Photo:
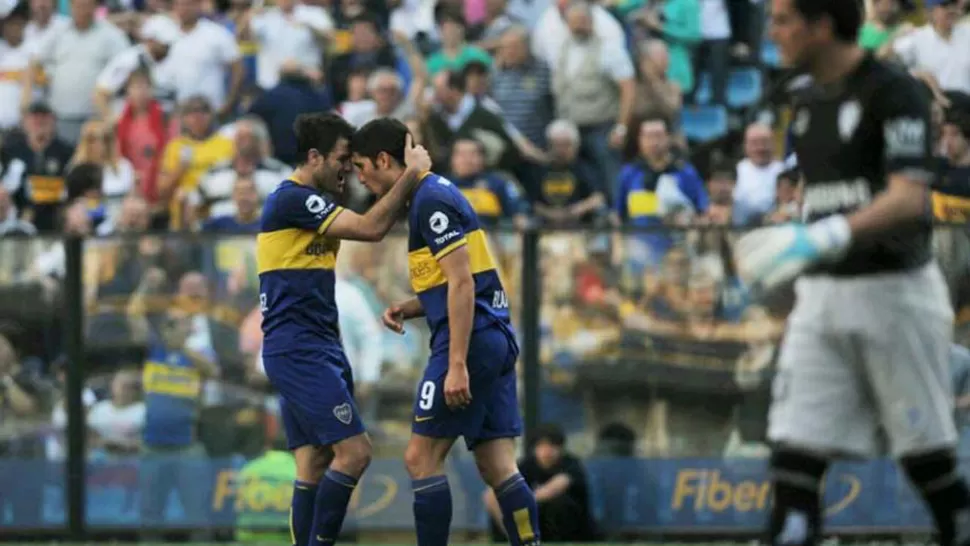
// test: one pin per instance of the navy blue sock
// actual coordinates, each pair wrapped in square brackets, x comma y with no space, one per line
[301,512]
[520,514]
[432,510]
[333,496]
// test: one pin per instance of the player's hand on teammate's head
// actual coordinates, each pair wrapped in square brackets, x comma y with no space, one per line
[458,393]
[393,319]
[416,158]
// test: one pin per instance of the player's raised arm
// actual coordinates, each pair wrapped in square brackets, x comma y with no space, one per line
[374,225]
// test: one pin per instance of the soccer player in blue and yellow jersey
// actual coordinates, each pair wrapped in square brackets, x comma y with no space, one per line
[296,251]
[468,387]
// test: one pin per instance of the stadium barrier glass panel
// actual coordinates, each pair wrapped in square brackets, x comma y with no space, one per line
[32,372]
[198,446]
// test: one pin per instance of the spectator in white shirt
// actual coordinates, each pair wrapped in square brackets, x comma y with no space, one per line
[290,31]
[15,78]
[157,36]
[44,22]
[204,58]
[117,423]
[72,59]
[754,192]
[551,32]
[940,49]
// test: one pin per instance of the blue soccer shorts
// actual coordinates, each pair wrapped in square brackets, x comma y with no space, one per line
[494,409]
[316,391]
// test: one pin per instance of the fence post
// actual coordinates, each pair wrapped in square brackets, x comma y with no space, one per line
[74,405]
[530,300]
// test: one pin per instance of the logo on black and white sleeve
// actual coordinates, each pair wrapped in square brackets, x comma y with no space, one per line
[905,138]
[438,222]
[316,206]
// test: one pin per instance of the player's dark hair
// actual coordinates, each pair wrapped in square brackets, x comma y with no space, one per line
[846,16]
[386,135]
[456,81]
[551,434]
[320,132]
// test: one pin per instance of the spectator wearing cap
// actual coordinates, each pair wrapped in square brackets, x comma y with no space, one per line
[295,94]
[204,59]
[34,165]
[72,60]
[14,74]
[522,86]
[289,31]
[187,158]
[369,51]
[44,22]
[157,34]
[551,32]
[885,23]
[939,49]
[561,487]
[593,84]
[566,194]
[455,52]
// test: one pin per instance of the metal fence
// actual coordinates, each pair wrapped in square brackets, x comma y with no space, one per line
[641,345]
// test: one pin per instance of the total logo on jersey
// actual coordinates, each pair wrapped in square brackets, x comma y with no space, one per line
[439,223]
[317,206]
[832,197]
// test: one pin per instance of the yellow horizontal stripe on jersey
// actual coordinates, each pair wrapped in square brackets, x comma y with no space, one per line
[295,249]
[951,208]
[160,378]
[333,216]
[425,272]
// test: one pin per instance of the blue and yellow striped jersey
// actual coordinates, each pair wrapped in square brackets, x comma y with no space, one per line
[441,220]
[295,261]
[172,387]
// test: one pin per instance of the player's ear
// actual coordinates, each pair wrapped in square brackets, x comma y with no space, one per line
[383,161]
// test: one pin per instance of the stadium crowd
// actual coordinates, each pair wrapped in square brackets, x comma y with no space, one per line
[639,132]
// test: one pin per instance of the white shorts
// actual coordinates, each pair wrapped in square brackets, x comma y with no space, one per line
[864,353]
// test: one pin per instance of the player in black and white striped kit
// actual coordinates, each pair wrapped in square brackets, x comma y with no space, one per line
[868,342]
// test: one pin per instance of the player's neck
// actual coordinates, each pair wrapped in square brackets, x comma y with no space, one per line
[837,63]
[301,176]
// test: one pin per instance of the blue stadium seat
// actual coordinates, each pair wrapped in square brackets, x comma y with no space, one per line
[704,123]
[769,54]
[744,88]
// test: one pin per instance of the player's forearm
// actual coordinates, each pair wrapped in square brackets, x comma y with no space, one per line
[383,214]
[903,202]
[412,309]
[461,313]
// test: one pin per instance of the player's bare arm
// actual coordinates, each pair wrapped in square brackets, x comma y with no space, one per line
[906,199]
[395,315]
[375,223]
[456,266]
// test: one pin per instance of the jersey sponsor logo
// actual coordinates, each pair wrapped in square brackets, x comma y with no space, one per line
[344,413]
[438,222]
[832,197]
[849,115]
[905,138]
[317,206]
[445,238]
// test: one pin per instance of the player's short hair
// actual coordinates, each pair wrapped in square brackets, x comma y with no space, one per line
[455,80]
[319,131]
[386,135]
[846,15]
